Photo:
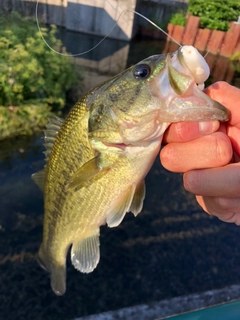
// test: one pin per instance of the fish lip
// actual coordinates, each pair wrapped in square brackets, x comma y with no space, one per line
[121,146]
[221,107]
[191,104]
[195,107]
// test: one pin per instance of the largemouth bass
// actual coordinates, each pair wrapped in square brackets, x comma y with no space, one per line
[98,157]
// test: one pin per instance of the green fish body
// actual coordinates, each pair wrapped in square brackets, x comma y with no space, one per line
[98,157]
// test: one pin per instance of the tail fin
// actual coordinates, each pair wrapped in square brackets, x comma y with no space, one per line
[58,279]
[57,272]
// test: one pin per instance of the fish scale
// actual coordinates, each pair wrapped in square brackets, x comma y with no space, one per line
[102,152]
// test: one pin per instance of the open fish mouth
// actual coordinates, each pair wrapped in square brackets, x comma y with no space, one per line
[197,107]
[121,146]
[180,86]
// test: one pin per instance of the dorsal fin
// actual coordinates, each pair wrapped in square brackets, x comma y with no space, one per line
[38,178]
[52,129]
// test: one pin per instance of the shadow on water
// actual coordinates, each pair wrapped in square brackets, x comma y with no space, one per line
[172,248]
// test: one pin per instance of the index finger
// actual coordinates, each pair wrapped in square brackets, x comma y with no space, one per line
[227,95]
[214,182]
[187,131]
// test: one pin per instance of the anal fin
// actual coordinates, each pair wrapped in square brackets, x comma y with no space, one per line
[85,254]
[120,208]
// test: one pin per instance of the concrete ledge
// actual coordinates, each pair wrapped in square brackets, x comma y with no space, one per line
[160,310]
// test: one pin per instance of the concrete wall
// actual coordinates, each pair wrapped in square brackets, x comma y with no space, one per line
[159,11]
[98,71]
[98,16]
[90,16]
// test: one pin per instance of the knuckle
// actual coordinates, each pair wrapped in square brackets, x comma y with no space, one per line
[222,149]
[182,129]
[224,203]
[192,181]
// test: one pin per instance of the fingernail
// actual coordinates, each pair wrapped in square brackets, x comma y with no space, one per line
[206,127]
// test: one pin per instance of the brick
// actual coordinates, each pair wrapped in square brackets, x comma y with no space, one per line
[210,59]
[230,40]
[230,74]
[191,30]
[202,38]
[177,34]
[220,68]
[170,28]
[237,48]
[173,47]
[215,41]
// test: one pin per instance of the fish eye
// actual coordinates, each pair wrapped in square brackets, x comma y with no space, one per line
[142,71]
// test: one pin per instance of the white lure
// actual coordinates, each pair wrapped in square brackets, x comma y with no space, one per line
[196,64]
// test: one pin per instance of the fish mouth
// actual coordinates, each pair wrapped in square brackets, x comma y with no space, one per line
[121,146]
[195,107]
[180,94]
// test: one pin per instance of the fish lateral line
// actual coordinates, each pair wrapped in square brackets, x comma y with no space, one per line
[94,47]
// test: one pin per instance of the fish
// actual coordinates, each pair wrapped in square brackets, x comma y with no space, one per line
[98,157]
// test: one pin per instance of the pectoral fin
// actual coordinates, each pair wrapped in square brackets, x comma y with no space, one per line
[120,208]
[137,202]
[85,254]
[88,173]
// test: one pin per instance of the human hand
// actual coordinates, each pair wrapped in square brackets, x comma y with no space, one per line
[209,157]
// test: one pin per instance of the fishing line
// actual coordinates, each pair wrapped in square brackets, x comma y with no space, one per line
[68,54]
[154,24]
[206,54]
[84,52]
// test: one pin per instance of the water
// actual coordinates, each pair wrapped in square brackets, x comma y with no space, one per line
[222,312]
[171,249]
